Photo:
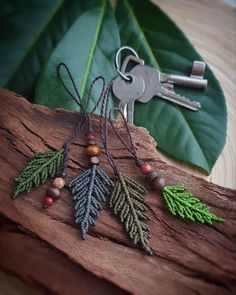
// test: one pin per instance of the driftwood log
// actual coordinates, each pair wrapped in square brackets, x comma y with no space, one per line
[44,249]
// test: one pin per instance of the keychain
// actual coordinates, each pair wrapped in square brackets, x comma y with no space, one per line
[53,164]
[137,81]
[93,186]
[127,198]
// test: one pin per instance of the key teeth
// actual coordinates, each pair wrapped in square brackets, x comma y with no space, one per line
[178,99]
[198,104]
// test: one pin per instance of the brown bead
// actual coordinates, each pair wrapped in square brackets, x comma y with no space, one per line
[92,150]
[158,183]
[58,182]
[152,175]
[53,192]
[94,160]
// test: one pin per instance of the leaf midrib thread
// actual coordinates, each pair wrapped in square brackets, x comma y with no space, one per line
[91,184]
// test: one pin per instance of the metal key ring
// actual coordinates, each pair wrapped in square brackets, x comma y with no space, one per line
[125,77]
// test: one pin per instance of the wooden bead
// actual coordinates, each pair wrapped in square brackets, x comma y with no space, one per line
[92,150]
[58,182]
[158,183]
[145,168]
[90,137]
[48,201]
[94,160]
[152,175]
[53,193]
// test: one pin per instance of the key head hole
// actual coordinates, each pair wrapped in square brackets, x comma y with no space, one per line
[129,79]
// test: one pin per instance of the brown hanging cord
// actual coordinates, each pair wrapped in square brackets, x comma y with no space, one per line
[104,130]
[131,148]
[85,117]
[106,116]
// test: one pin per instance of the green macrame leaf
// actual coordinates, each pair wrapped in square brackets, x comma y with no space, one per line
[41,167]
[127,201]
[185,205]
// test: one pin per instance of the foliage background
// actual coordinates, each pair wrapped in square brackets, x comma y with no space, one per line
[37,35]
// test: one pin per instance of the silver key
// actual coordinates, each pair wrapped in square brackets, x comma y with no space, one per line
[154,87]
[127,93]
[195,80]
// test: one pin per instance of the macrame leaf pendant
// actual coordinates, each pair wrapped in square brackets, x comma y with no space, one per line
[88,190]
[127,201]
[183,204]
[41,167]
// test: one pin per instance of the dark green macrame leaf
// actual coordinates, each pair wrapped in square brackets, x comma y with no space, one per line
[127,201]
[186,206]
[39,169]
[88,190]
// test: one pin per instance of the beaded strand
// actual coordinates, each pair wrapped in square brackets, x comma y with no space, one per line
[146,169]
[53,192]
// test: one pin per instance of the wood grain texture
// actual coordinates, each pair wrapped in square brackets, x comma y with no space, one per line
[210,26]
[44,248]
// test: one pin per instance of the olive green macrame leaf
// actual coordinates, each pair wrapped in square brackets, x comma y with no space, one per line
[183,204]
[41,167]
[127,201]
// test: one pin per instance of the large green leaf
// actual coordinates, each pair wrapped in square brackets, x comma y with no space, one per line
[194,137]
[29,30]
[88,49]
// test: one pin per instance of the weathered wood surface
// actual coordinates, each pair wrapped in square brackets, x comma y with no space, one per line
[44,247]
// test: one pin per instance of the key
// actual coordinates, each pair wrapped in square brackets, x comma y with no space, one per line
[127,93]
[129,62]
[195,80]
[154,87]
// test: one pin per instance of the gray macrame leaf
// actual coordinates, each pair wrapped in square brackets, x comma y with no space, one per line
[88,190]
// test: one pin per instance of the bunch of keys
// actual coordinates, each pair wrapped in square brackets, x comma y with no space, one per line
[142,83]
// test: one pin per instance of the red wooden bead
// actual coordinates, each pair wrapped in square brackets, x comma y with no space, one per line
[90,137]
[145,168]
[48,201]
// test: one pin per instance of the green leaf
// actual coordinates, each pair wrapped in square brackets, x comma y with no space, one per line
[29,31]
[194,137]
[127,201]
[38,170]
[88,50]
[186,206]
